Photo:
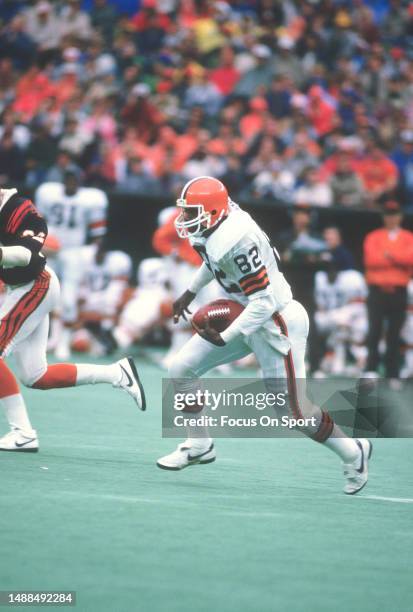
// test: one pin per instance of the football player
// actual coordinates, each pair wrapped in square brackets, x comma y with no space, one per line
[238,254]
[75,216]
[341,315]
[104,284]
[148,306]
[407,335]
[32,293]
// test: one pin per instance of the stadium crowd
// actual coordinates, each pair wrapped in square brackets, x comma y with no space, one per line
[305,101]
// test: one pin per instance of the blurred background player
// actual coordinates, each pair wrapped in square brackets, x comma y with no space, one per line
[102,293]
[407,335]
[341,318]
[75,216]
[181,261]
[149,307]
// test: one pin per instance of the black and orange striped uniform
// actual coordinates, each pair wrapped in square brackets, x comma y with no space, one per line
[21,225]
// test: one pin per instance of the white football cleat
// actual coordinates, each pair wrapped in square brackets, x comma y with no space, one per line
[182,457]
[20,441]
[356,473]
[130,382]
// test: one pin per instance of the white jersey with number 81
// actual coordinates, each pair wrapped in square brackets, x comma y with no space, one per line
[72,219]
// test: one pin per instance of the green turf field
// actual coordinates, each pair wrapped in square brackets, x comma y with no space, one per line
[265,528]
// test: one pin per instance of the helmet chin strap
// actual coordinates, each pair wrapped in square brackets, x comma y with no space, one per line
[210,230]
[5,195]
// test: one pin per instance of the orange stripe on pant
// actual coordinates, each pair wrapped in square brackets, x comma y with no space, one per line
[326,426]
[13,321]
[289,368]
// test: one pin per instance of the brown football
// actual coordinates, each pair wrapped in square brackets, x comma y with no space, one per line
[221,313]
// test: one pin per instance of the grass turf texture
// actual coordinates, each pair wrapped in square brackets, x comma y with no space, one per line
[264,528]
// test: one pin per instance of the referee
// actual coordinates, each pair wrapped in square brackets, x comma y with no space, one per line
[388,262]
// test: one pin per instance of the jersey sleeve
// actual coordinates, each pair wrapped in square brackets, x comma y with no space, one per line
[26,227]
[97,214]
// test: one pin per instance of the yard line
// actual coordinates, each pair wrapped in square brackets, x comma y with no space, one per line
[395,500]
[111,497]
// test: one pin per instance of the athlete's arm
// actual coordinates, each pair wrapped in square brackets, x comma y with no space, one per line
[255,315]
[28,238]
[202,277]
[180,307]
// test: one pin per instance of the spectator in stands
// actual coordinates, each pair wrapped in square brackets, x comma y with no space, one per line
[56,173]
[16,44]
[234,177]
[275,182]
[286,62]
[74,22]
[12,169]
[403,158]
[341,256]
[40,155]
[312,190]
[378,173]
[279,97]
[253,122]
[202,163]
[20,133]
[346,187]
[320,112]
[150,26]
[302,153]
[225,76]
[31,90]
[140,114]
[103,17]
[321,74]
[138,178]
[73,139]
[258,76]
[43,27]
[388,262]
[203,93]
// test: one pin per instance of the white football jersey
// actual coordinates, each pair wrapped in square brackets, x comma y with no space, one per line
[348,286]
[152,272]
[243,261]
[72,219]
[97,276]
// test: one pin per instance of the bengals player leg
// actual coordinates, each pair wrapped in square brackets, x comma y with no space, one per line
[24,325]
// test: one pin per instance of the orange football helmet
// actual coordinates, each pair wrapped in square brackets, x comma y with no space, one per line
[203,203]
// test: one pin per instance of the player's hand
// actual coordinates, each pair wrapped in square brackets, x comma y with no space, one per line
[180,306]
[208,333]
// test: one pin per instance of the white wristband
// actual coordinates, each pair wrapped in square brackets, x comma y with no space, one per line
[15,256]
